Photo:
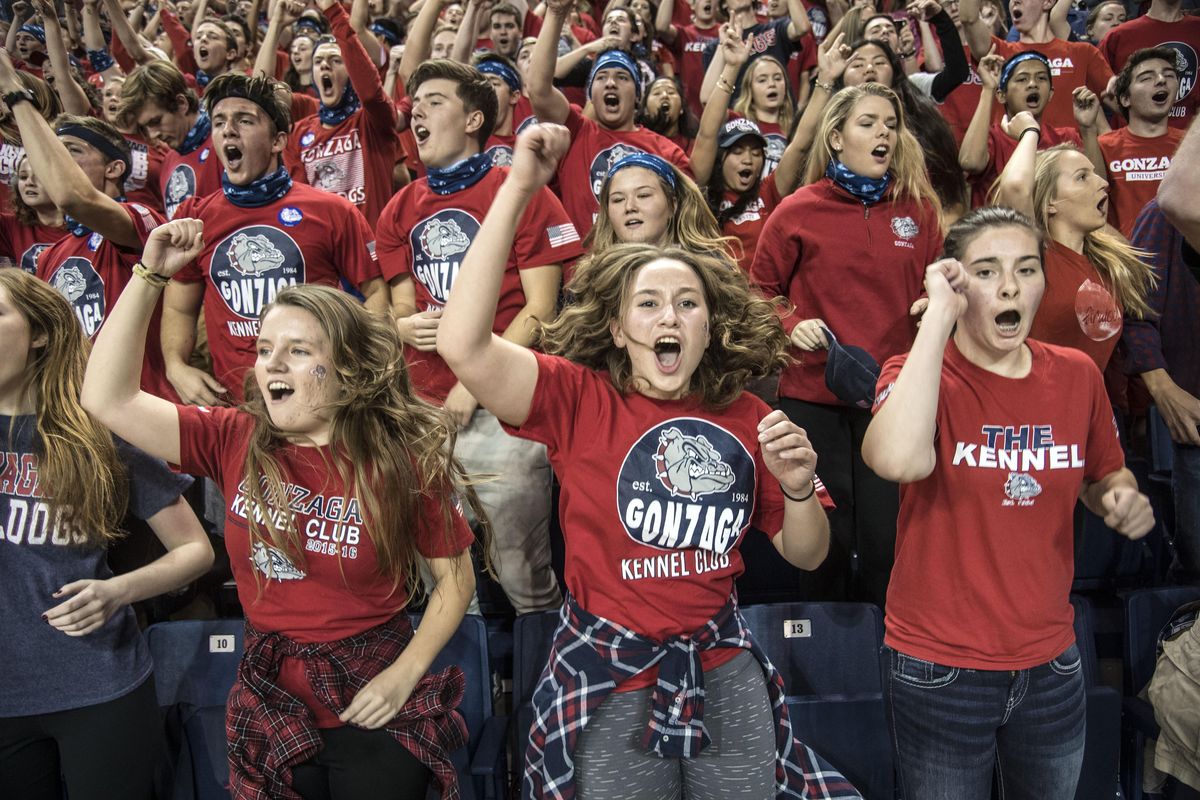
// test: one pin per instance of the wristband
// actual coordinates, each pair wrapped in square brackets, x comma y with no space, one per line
[909,55]
[153,278]
[19,96]
[820,84]
[812,489]
[1036,132]
[724,85]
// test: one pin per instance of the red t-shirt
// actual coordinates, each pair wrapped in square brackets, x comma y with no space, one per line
[747,226]
[959,106]
[425,235]
[355,158]
[307,236]
[656,496]
[858,269]
[1001,147]
[196,174]
[688,48]
[1072,64]
[90,271]
[1136,166]
[20,244]
[1078,310]
[1183,37]
[984,545]
[335,589]
[593,149]
[145,174]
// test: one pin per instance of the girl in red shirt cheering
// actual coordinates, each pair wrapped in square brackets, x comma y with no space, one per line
[338,482]
[992,436]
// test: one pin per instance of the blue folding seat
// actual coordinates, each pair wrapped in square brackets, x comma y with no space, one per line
[195,664]
[1147,611]
[829,655]
[1100,777]
[532,636]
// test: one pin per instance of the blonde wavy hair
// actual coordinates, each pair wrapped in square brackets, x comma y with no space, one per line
[80,476]
[909,176]
[390,449]
[745,102]
[1123,267]
[747,339]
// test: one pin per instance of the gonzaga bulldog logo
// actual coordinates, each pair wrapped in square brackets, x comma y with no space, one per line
[251,265]
[686,483]
[77,280]
[1021,486]
[438,245]
[274,564]
[905,227]
[180,186]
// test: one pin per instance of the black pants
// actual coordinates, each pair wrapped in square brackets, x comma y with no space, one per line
[356,763]
[99,752]
[864,525]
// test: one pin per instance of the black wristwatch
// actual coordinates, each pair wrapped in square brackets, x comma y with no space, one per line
[19,96]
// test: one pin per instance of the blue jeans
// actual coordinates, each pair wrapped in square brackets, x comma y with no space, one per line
[952,728]
[1185,485]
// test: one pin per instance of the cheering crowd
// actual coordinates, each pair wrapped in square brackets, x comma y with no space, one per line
[892,285]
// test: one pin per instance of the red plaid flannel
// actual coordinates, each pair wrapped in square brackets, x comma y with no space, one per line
[270,730]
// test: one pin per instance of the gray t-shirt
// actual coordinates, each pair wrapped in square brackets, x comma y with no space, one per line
[44,669]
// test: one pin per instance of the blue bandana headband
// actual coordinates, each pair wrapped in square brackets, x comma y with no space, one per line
[261,191]
[501,70]
[456,177]
[1010,66]
[110,150]
[198,135]
[646,161]
[36,31]
[621,60]
[385,33]
[869,190]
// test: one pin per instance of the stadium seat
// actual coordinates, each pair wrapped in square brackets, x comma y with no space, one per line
[481,769]
[829,655]
[1146,612]
[532,636]
[1100,777]
[195,664]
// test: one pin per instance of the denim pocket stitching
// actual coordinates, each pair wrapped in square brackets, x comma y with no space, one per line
[1069,668]
[927,682]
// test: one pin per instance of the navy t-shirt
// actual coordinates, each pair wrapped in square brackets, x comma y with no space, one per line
[44,669]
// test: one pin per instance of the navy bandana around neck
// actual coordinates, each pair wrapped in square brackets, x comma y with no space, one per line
[457,177]
[868,190]
[198,135]
[336,115]
[203,78]
[261,191]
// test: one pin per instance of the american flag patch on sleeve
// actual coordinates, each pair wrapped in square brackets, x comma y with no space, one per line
[562,234]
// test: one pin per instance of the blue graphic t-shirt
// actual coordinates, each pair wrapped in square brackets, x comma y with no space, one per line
[46,670]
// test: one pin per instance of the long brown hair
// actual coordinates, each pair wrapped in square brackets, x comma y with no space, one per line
[747,338]
[45,100]
[1125,268]
[80,476]
[390,449]
[745,102]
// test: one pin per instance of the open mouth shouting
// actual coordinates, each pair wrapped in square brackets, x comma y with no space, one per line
[745,177]
[611,101]
[1161,97]
[202,53]
[1102,205]
[1033,100]
[881,154]
[233,157]
[421,133]
[667,352]
[279,392]
[1008,323]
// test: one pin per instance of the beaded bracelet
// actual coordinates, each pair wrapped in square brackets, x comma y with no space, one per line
[153,278]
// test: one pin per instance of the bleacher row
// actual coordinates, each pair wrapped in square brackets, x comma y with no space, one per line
[829,654]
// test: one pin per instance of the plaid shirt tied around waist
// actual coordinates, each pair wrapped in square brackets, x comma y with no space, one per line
[270,730]
[592,655]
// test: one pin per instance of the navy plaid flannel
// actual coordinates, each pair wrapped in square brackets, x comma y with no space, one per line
[271,730]
[592,655]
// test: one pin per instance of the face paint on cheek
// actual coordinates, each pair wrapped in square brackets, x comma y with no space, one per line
[318,372]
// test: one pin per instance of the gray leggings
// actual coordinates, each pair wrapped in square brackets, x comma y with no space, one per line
[610,763]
